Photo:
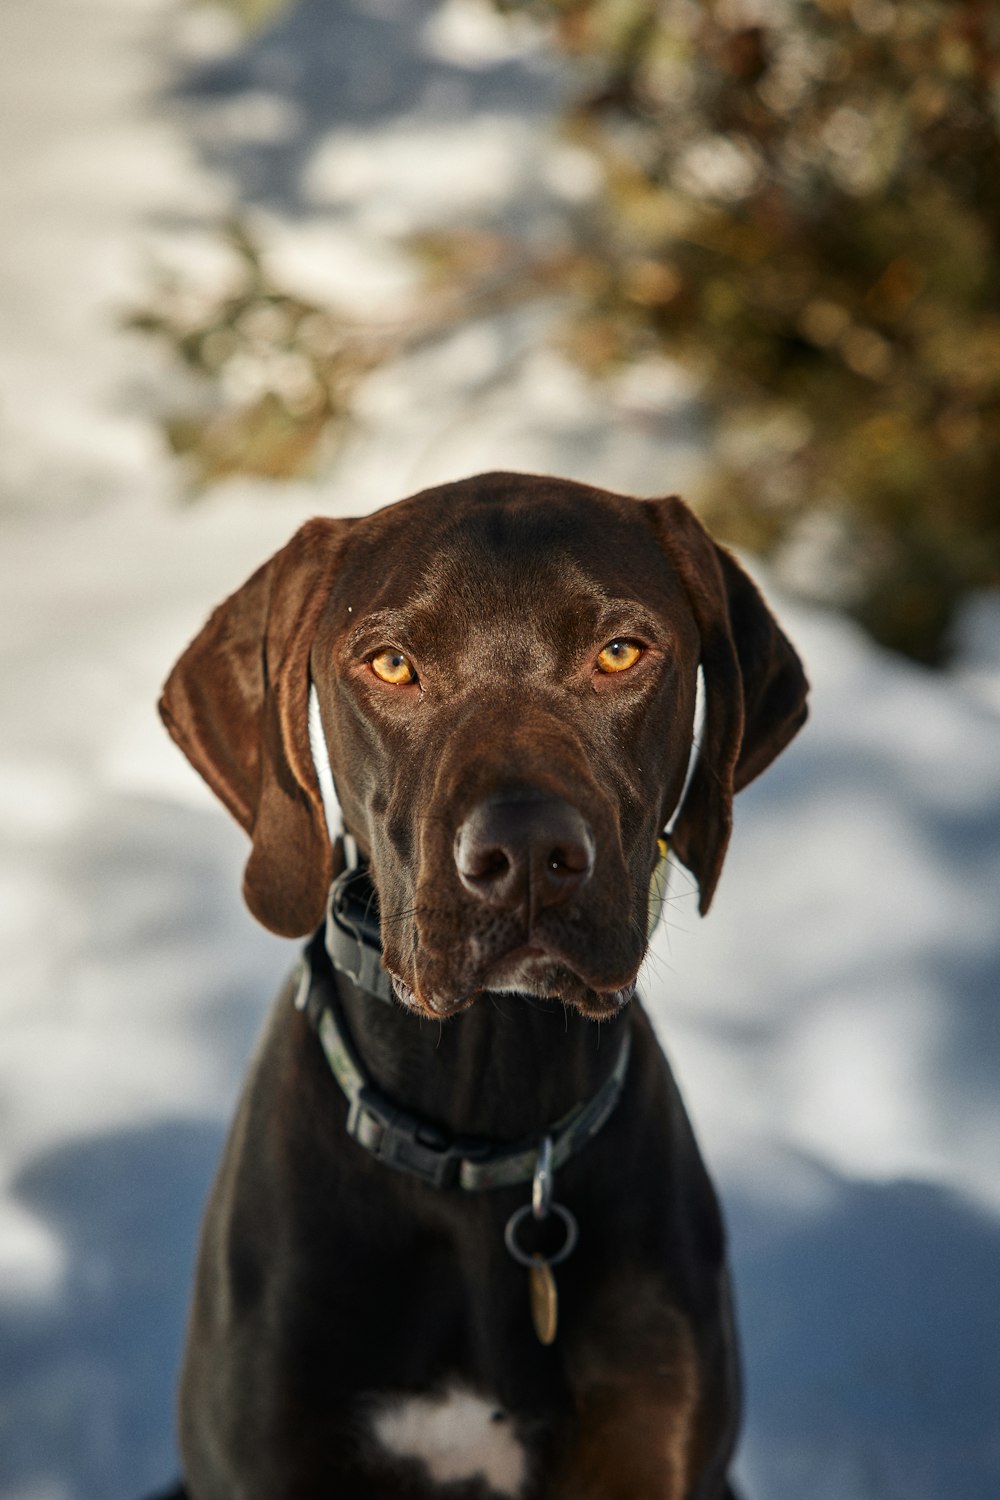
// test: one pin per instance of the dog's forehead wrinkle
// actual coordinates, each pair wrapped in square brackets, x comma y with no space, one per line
[389,625]
[478,579]
[496,620]
[513,587]
[509,541]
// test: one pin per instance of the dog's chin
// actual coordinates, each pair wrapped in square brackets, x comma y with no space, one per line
[431,1006]
[522,973]
[426,1006]
[545,977]
[599,1005]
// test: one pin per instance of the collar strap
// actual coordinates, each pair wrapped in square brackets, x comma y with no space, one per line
[418,1147]
[353,936]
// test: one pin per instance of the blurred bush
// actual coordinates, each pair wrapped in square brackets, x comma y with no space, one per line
[801,202]
[276,373]
[275,376]
[798,200]
[255,14]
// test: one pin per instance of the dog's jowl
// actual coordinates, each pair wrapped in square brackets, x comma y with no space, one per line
[461,1242]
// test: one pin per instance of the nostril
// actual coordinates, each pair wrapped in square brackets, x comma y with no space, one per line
[574,860]
[490,864]
[478,857]
[512,850]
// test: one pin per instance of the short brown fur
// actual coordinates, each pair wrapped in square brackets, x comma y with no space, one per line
[508,799]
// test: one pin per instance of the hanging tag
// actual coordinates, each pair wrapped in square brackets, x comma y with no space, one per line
[544,1299]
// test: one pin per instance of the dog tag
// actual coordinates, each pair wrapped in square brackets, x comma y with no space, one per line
[544,1299]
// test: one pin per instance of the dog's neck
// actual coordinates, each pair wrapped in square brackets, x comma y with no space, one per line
[506,1068]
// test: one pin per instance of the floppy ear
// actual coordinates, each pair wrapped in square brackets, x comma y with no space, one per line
[755,689]
[237,704]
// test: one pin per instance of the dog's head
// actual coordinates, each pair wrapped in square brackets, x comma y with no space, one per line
[506,673]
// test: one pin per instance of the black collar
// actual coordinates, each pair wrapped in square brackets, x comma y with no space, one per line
[353,937]
[351,943]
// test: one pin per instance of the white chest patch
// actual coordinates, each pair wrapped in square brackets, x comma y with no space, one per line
[455,1435]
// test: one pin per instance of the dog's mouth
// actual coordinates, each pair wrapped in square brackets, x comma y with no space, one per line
[430,1005]
[528,970]
[538,971]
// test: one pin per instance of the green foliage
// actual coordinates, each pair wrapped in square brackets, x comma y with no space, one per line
[277,373]
[801,202]
[798,200]
[253,15]
[276,376]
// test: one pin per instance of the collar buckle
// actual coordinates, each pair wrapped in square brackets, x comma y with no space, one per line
[400,1140]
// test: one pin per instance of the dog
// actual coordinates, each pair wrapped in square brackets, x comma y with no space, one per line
[461,1243]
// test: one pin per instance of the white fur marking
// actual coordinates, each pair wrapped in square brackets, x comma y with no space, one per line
[699,729]
[321,761]
[457,1435]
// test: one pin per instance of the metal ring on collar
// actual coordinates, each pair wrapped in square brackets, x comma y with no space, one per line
[521,1256]
[541,1183]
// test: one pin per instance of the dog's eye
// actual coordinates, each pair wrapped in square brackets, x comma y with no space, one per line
[392,666]
[618,656]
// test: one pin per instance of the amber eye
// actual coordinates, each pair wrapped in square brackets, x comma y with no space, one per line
[618,656]
[392,666]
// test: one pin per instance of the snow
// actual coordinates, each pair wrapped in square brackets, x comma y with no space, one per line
[834,1022]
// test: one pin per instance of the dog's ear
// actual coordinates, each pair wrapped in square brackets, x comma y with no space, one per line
[237,704]
[755,689]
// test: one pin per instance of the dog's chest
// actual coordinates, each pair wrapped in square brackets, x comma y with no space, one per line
[455,1436]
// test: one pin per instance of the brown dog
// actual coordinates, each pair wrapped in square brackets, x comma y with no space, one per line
[502,675]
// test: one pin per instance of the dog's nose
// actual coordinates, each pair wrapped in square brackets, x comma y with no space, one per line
[512,850]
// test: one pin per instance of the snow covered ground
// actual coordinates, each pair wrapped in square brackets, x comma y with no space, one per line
[834,1023]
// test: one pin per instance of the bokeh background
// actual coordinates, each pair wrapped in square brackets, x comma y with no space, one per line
[264,261]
